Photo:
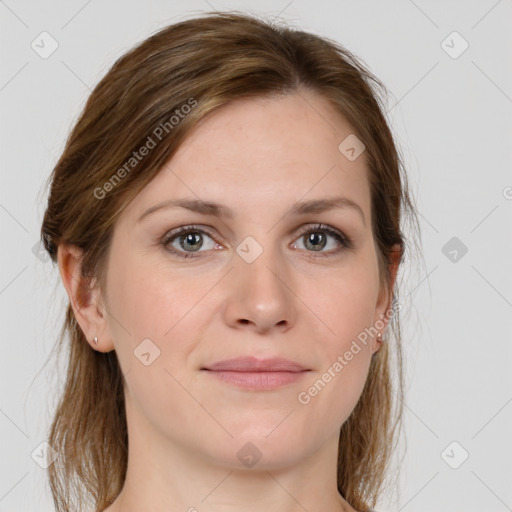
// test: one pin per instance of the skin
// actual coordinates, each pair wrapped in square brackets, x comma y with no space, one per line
[258,157]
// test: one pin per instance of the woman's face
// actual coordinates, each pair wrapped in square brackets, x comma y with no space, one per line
[262,281]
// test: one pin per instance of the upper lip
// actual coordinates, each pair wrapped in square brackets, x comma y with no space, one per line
[253,364]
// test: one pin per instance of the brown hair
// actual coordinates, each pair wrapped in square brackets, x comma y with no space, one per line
[206,61]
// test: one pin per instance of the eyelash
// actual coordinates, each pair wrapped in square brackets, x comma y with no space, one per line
[343,240]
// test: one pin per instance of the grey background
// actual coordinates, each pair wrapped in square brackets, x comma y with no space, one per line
[452,118]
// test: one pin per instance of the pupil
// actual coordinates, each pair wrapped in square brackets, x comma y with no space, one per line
[315,238]
[191,239]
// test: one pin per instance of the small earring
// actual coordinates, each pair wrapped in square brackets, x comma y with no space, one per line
[95,340]
[379,337]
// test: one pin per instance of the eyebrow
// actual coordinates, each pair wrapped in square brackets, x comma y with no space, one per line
[221,211]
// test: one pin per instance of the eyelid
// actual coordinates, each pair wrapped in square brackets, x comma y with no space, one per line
[189,228]
[324,227]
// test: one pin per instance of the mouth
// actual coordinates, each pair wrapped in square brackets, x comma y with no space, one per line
[257,374]
[258,381]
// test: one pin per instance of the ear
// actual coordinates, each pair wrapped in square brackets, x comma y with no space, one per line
[385,300]
[85,298]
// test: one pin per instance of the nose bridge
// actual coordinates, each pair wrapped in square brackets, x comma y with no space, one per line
[260,266]
[259,293]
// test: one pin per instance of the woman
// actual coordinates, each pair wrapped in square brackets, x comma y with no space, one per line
[226,219]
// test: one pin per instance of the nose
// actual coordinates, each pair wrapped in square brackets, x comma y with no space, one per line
[259,295]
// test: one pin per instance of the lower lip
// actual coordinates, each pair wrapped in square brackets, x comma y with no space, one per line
[259,381]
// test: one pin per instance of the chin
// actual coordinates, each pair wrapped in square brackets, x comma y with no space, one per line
[257,451]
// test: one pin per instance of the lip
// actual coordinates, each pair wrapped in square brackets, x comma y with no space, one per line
[257,374]
[253,364]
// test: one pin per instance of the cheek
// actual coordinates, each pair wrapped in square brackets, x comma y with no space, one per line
[150,301]
[172,309]
[345,303]
[334,390]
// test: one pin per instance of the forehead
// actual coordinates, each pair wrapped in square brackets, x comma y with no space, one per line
[263,153]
